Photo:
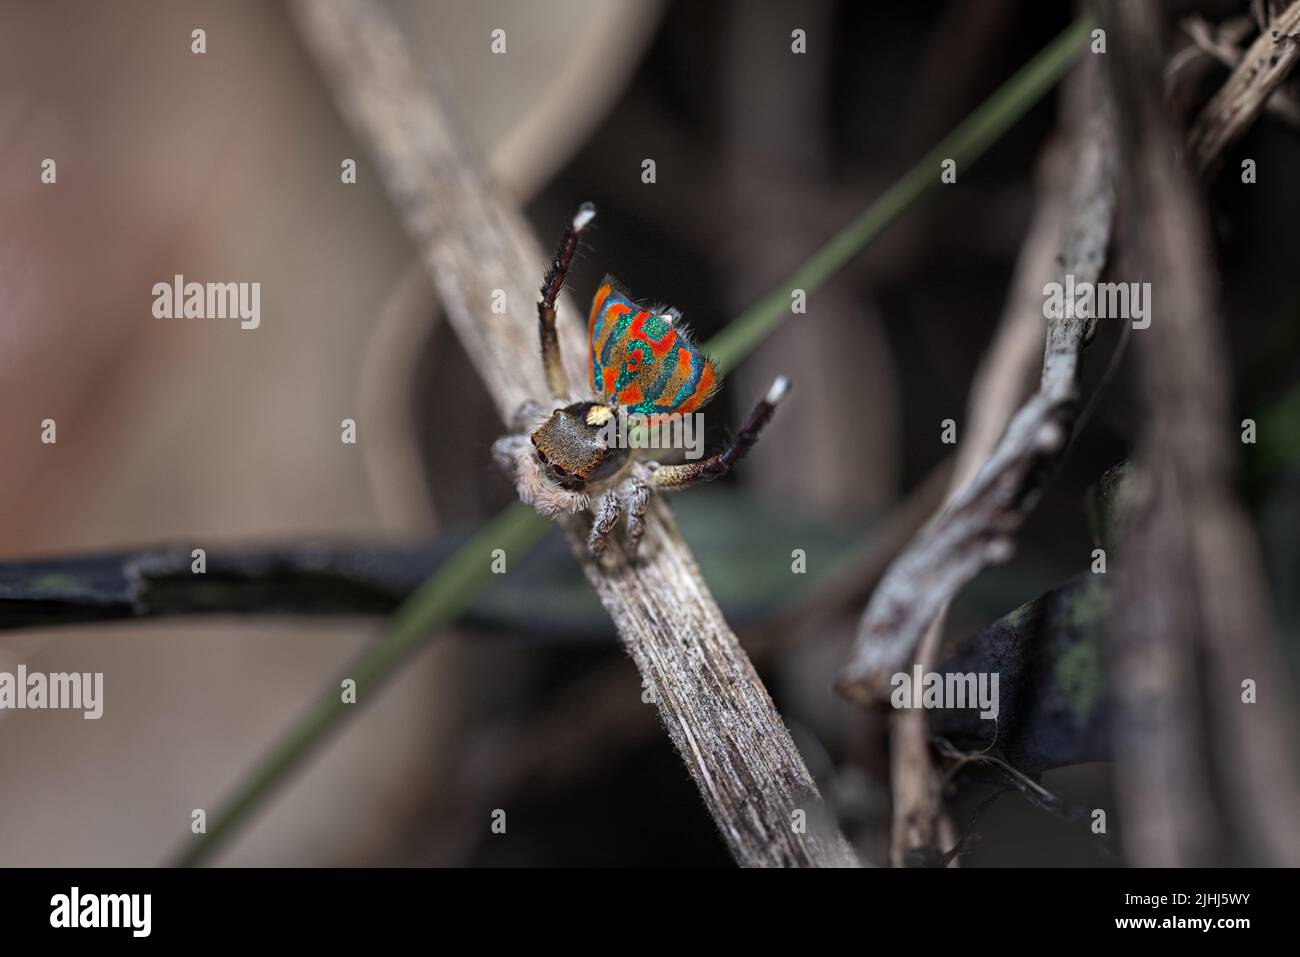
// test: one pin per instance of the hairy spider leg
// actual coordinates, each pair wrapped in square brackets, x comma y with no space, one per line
[607,512]
[637,495]
[680,476]
[551,286]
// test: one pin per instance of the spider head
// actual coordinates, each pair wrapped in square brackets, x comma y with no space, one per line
[572,447]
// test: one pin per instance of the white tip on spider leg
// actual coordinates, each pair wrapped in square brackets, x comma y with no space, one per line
[780,386]
[999,550]
[1051,437]
[586,213]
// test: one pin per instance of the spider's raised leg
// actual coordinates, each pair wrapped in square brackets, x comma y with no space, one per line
[607,510]
[551,286]
[680,476]
[636,495]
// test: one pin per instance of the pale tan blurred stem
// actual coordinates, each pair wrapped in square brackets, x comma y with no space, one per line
[1003,379]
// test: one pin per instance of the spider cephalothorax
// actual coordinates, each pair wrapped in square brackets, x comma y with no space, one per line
[643,363]
[572,445]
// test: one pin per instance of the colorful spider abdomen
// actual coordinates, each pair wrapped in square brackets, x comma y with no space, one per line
[641,361]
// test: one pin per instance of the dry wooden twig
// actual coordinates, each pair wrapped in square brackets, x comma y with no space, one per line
[1236,106]
[1221,43]
[1004,376]
[975,527]
[713,705]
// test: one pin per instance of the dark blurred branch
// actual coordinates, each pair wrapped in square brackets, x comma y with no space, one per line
[1190,586]
[1052,692]
[715,709]
[300,579]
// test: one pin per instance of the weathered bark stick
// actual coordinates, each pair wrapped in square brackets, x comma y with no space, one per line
[713,705]
[975,528]
[1220,42]
[1005,375]
[1238,104]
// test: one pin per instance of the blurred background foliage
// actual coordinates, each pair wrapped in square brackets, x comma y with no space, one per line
[226,166]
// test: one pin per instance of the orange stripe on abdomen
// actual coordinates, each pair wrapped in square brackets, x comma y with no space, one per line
[681,375]
[596,305]
[708,380]
[607,324]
